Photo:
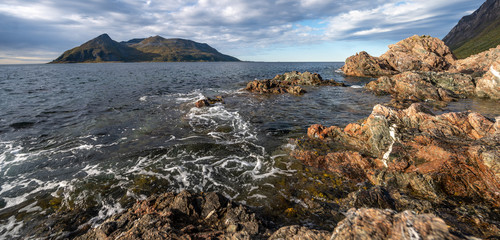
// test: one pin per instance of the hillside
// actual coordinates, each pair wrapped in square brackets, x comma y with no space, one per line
[477,32]
[157,49]
[179,50]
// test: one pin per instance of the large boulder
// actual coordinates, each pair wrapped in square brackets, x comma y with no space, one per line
[419,53]
[489,84]
[416,53]
[364,65]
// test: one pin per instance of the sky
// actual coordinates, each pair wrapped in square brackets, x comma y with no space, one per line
[38,31]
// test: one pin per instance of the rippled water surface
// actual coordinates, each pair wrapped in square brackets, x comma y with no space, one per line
[96,137]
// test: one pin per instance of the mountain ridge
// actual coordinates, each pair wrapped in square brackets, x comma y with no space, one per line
[476,32]
[151,49]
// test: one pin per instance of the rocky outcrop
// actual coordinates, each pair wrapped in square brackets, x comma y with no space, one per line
[364,65]
[387,224]
[289,83]
[416,53]
[432,87]
[480,62]
[411,159]
[419,53]
[489,84]
[181,216]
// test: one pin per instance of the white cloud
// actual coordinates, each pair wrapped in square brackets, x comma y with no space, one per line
[225,24]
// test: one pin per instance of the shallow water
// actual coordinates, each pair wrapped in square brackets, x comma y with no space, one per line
[96,137]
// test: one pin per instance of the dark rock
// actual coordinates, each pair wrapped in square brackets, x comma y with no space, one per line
[289,83]
[181,216]
[208,101]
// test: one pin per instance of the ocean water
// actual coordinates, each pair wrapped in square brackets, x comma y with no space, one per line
[94,138]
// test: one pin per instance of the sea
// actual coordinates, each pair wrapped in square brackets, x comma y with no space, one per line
[95,138]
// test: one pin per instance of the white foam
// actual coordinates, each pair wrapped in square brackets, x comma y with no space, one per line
[107,210]
[356,86]
[143,98]
[10,229]
[31,208]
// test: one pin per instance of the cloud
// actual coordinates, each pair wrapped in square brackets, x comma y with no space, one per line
[235,25]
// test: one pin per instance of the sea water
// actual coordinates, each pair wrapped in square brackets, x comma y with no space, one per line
[97,137]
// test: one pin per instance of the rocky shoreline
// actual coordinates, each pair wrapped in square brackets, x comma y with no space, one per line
[401,173]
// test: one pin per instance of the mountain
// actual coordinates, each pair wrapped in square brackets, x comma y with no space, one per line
[477,32]
[179,50]
[102,49]
[152,49]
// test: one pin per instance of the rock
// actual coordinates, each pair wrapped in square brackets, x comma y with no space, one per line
[181,216]
[480,62]
[489,84]
[208,101]
[416,53]
[364,65]
[299,233]
[413,159]
[367,223]
[419,53]
[289,83]
[425,86]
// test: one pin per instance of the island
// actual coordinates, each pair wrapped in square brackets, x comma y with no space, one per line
[151,49]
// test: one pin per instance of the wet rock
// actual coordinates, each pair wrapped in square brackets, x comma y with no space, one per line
[208,101]
[480,62]
[299,233]
[180,216]
[367,223]
[413,159]
[289,83]
[416,53]
[425,86]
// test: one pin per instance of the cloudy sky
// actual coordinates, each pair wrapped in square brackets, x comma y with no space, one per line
[34,31]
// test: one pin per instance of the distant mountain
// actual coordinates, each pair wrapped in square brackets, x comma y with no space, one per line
[152,49]
[477,32]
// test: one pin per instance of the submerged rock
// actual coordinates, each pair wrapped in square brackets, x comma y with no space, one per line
[208,101]
[289,83]
[416,53]
[446,164]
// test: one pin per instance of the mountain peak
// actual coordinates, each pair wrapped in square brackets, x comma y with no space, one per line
[155,48]
[476,32]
